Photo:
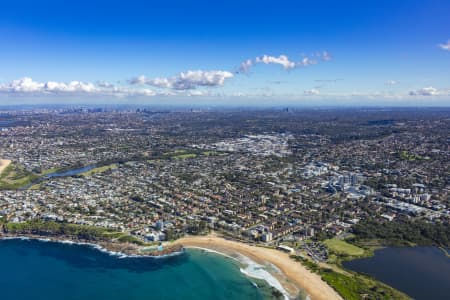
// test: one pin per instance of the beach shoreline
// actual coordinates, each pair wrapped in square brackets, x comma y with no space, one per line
[116,250]
[292,275]
[273,266]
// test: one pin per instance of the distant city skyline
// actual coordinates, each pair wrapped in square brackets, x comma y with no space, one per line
[248,53]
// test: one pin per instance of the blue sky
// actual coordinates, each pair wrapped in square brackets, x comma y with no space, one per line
[164,52]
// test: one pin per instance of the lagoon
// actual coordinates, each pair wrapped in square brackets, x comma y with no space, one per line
[63,173]
[70,172]
[420,272]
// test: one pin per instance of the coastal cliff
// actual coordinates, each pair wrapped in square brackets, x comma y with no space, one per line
[111,241]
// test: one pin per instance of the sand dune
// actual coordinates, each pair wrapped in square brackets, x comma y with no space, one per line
[293,271]
[4,163]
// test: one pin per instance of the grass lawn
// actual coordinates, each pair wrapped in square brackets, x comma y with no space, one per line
[15,176]
[346,286]
[355,287]
[175,152]
[342,247]
[210,153]
[184,156]
[99,170]
[36,186]
[180,154]
[48,171]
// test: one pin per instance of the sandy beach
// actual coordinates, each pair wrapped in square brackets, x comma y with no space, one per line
[4,163]
[295,274]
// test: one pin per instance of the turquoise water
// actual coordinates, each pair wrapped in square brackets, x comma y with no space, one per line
[32,269]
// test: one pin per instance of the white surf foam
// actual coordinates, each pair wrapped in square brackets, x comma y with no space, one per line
[258,271]
[252,270]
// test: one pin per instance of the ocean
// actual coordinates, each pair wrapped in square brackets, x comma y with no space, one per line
[31,269]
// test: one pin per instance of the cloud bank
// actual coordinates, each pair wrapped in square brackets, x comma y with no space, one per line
[28,86]
[426,91]
[186,80]
[196,83]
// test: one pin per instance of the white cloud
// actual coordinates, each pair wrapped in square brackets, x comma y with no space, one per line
[311,92]
[282,60]
[445,46]
[186,80]
[28,86]
[71,87]
[191,79]
[138,80]
[245,66]
[426,91]
[23,85]
[326,56]
[306,61]
[105,84]
[182,84]
[159,82]
[391,82]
